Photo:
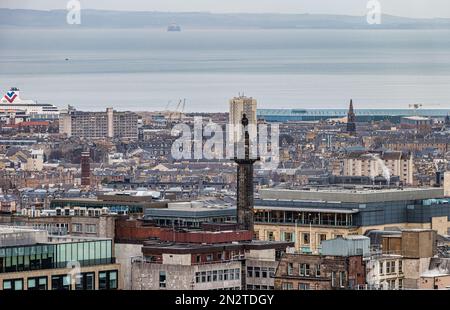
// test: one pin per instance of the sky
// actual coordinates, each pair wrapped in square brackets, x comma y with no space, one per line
[406,8]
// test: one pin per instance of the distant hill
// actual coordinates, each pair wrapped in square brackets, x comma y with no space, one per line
[121,19]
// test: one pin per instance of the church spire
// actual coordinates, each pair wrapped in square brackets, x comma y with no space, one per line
[351,119]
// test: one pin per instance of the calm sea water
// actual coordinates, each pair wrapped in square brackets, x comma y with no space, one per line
[145,69]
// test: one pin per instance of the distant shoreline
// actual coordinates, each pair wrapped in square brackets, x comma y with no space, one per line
[102,19]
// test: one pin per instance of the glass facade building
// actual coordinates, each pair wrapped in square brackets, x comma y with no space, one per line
[56,255]
[346,214]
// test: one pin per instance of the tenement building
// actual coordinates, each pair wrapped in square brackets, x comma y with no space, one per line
[205,261]
[99,125]
[319,272]
[386,164]
[308,217]
[31,260]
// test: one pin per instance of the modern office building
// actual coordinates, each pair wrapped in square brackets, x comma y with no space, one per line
[31,260]
[309,216]
[99,125]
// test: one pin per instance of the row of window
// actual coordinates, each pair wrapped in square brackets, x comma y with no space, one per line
[290,237]
[290,286]
[107,280]
[260,287]
[306,286]
[48,256]
[392,284]
[88,228]
[389,267]
[217,275]
[260,272]
[304,218]
[304,270]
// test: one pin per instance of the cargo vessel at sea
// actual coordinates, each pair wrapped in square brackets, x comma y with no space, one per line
[174,27]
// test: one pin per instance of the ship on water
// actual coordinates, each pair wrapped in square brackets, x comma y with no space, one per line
[174,27]
[12,102]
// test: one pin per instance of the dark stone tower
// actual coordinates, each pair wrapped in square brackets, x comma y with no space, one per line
[245,215]
[85,168]
[351,119]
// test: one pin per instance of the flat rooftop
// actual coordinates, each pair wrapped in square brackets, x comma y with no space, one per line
[357,195]
[155,247]
[19,236]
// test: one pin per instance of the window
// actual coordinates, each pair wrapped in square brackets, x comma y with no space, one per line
[400,284]
[85,281]
[107,280]
[272,272]
[162,279]
[318,270]
[77,228]
[333,279]
[197,277]
[388,267]
[287,286]
[304,270]
[393,267]
[208,276]
[264,272]
[91,228]
[270,236]
[303,286]
[341,278]
[37,284]
[381,268]
[288,236]
[250,271]
[13,285]
[290,269]
[322,237]
[400,266]
[257,272]
[198,259]
[214,275]
[203,276]
[306,238]
[61,282]
[237,274]
[391,284]
[209,257]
